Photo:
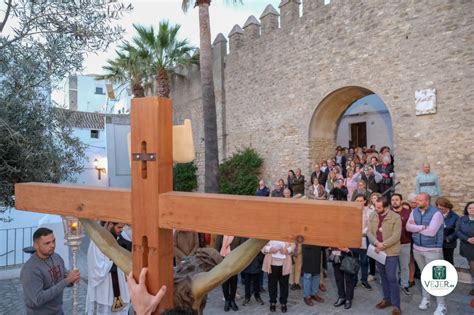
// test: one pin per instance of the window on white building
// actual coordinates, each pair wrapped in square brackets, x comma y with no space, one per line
[95,134]
[99,90]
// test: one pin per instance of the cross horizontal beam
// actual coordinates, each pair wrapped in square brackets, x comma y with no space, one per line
[86,202]
[326,223]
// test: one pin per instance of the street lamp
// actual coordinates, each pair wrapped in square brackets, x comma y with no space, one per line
[73,235]
[99,169]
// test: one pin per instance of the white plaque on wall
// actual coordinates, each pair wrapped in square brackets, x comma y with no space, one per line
[425,101]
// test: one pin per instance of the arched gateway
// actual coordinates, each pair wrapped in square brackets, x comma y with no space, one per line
[325,120]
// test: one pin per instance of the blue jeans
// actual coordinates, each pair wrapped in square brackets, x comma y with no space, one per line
[388,275]
[310,284]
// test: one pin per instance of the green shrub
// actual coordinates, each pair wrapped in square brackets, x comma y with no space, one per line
[239,174]
[184,177]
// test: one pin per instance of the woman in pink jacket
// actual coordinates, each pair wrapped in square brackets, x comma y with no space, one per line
[277,264]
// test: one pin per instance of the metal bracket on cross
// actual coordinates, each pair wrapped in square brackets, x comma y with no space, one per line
[143,156]
[183,146]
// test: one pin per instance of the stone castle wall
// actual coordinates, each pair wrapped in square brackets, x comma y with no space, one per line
[283,87]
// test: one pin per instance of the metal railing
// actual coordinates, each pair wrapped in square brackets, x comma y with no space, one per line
[12,242]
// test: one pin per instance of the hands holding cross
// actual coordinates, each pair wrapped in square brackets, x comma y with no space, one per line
[143,302]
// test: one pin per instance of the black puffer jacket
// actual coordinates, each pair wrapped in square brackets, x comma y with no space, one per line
[311,259]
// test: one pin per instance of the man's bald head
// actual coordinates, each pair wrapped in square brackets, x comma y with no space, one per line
[426,167]
[423,200]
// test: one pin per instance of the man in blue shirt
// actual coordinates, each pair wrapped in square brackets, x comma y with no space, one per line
[428,182]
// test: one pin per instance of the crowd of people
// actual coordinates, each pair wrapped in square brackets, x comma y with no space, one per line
[410,231]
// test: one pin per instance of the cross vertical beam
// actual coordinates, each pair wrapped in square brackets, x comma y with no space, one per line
[152,174]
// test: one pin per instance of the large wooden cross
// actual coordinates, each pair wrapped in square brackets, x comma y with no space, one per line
[154,209]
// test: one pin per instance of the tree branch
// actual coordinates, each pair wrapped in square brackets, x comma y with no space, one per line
[7,13]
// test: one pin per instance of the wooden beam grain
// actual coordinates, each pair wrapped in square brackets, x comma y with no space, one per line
[86,202]
[151,133]
[326,223]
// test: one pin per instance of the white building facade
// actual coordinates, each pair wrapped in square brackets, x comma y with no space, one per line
[105,137]
[87,94]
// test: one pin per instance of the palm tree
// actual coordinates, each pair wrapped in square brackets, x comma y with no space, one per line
[164,51]
[128,67]
[211,156]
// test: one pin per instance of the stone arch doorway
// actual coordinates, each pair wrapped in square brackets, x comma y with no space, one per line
[323,128]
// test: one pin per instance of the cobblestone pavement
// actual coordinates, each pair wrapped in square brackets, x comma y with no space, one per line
[11,301]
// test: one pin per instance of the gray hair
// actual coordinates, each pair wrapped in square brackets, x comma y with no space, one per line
[411,196]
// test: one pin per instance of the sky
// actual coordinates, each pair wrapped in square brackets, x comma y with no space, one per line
[223,15]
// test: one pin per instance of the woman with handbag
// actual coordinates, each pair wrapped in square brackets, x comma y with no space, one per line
[346,266]
[385,227]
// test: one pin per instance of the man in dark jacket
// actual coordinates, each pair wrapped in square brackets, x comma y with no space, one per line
[278,191]
[262,189]
[339,192]
[311,270]
[298,183]
[370,176]
[386,170]
[319,174]
[361,190]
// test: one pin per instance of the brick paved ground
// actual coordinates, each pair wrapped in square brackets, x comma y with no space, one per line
[364,301]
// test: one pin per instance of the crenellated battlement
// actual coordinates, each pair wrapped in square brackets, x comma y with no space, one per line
[289,12]
[272,19]
[269,19]
[251,29]
[236,37]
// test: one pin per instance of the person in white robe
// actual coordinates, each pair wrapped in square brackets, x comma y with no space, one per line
[100,293]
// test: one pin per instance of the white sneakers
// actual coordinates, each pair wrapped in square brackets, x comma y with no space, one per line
[425,303]
[440,310]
